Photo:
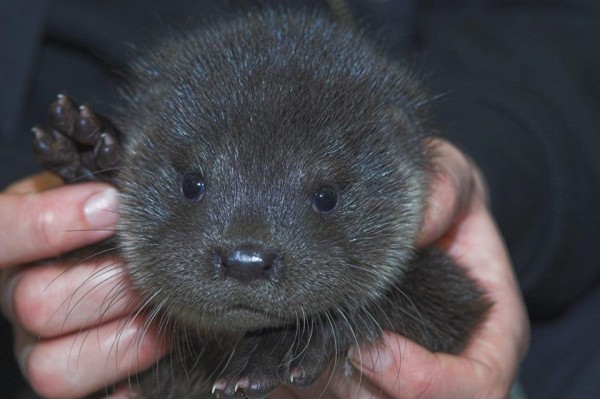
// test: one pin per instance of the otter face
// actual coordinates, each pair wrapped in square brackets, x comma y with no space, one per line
[257,195]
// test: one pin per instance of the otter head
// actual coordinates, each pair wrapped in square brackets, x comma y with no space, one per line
[280,181]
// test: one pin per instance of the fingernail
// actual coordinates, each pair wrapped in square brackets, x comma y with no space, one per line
[376,359]
[7,296]
[22,358]
[100,208]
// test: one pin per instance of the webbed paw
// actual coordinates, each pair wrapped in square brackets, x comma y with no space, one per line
[262,362]
[259,364]
[79,145]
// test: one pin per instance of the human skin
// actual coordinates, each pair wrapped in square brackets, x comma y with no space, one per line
[71,340]
[457,219]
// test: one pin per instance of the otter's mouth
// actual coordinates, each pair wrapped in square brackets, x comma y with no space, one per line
[247,317]
[247,308]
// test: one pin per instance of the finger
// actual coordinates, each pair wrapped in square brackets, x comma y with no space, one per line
[334,386]
[47,224]
[453,179]
[355,386]
[35,184]
[405,370]
[55,299]
[76,365]
[506,330]
[122,393]
[410,371]
[487,366]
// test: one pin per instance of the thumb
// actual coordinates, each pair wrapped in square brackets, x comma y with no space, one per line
[403,369]
[46,224]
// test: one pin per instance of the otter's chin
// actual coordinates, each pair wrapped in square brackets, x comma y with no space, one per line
[237,318]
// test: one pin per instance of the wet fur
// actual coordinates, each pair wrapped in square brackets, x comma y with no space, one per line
[269,107]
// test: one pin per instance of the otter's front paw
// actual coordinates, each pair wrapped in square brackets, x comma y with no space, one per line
[79,145]
[262,362]
[258,364]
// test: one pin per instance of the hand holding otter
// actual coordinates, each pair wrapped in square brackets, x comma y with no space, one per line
[40,305]
[68,334]
[457,220]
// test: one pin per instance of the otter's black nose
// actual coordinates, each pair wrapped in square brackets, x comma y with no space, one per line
[247,265]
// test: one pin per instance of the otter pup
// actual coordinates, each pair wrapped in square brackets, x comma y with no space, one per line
[273,174]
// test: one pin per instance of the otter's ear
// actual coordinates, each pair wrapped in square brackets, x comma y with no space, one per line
[80,145]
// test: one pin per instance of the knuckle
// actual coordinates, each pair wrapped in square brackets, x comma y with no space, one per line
[31,308]
[8,280]
[44,225]
[448,190]
[422,383]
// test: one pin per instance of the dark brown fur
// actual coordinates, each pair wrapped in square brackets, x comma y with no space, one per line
[268,108]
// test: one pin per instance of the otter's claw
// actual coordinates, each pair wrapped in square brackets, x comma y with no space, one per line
[262,362]
[79,145]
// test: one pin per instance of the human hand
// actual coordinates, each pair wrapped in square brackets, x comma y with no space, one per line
[457,219]
[72,330]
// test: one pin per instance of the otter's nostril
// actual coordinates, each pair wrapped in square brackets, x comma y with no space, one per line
[247,265]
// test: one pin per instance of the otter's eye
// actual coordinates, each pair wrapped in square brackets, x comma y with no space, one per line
[193,186]
[325,199]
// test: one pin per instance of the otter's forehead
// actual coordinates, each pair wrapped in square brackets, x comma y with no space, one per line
[265,79]
[286,121]
[296,109]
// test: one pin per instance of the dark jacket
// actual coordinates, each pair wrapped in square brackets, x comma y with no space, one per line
[514,83]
